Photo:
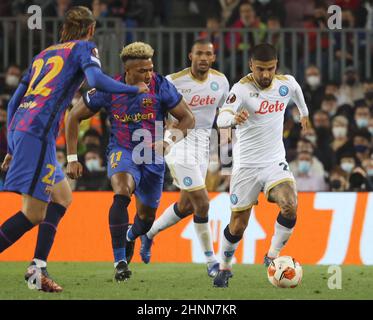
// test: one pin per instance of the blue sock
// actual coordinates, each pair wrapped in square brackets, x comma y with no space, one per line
[13,229]
[47,230]
[118,222]
[139,228]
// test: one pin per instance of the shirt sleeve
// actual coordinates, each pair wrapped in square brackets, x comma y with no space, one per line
[87,55]
[225,93]
[231,105]
[298,98]
[95,100]
[169,95]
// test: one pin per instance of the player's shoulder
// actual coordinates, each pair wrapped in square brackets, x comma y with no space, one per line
[286,78]
[217,73]
[246,80]
[179,74]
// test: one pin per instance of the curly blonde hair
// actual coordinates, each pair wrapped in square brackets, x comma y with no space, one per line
[136,50]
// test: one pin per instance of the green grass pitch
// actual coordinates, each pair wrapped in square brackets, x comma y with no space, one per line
[181,281]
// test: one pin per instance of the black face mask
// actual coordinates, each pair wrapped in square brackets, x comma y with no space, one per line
[335,184]
[350,81]
[369,95]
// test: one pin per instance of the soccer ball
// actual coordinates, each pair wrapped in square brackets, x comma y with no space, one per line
[284,272]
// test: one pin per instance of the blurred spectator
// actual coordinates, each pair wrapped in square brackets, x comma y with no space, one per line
[368,94]
[273,35]
[10,83]
[367,165]
[362,116]
[329,105]
[247,19]
[94,177]
[351,89]
[303,177]
[61,159]
[296,11]
[361,142]
[347,163]
[57,8]
[313,89]
[100,8]
[268,8]
[213,33]
[338,180]
[358,180]
[341,142]
[227,9]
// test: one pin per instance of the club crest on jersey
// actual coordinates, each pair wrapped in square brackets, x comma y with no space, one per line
[231,98]
[283,91]
[188,181]
[147,102]
[214,86]
[234,199]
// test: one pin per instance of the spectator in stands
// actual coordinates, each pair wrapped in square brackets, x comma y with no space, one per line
[329,105]
[273,34]
[362,145]
[367,165]
[94,177]
[338,180]
[100,9]
[351,89]
[213,32]
[91,138]
[358,180]
[268,8]
[247,19]
[362,116]
[303,177]
[368,94]
[227,11]
[313,89]
[57,8]
[316,168]
[348,163]
[10,83]
[341,142]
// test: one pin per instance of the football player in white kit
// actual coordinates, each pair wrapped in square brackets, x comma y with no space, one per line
[205,90]
[256,106]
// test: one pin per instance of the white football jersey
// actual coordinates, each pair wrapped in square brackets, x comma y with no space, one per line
[203,98]
[259,139]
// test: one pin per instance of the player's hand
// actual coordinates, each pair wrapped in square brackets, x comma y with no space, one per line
[6,162]
[74,170]
[143,88]
[241,117]
[305,123]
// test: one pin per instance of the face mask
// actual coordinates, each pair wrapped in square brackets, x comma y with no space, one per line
[313,81]
[93,165]
[11,80]
[335,184]
[371,130]
[214,167]
[304,166]
[312,139]
[339,132]
[347,166]
[362,122]
[370,172]
[361,148]
[350,81]
[369,95]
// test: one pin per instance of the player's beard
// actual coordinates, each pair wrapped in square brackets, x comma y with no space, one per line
[265,83]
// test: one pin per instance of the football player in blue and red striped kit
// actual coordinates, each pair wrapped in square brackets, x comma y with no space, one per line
[135,164]
[34,114]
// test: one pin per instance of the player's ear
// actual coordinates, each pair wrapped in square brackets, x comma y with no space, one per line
[251,65]
[190,56]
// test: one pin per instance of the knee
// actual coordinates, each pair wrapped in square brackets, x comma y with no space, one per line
[123,190]
[66,201]
[35,217]
[237,227]
[202,208]
[184,208]
[288,208]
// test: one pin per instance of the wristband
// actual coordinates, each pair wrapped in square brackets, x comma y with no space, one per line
[72,158]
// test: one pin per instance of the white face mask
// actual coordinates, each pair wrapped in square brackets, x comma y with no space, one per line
[214,167]
[313,81]
[347,166]
[11,80]
[362,122]
[93,165]
[312,139]
[339,132]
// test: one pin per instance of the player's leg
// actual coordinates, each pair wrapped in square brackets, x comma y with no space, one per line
[285,195]
[32,213]
[123,185]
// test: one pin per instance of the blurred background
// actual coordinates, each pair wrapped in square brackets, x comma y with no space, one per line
[334,68]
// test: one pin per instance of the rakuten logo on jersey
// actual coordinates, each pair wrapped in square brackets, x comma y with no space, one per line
[267,107]
[197,100]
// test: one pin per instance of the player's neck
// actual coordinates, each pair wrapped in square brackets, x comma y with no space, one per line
[200,76]
[259,86]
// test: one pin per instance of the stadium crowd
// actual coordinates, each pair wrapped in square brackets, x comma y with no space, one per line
[335,154]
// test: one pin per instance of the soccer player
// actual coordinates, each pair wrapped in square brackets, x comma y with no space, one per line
[205,90]
[35,111]
[256,106]
[133,119]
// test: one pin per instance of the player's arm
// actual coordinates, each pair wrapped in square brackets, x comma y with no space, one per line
[298,99]
[99,80]
[231,113]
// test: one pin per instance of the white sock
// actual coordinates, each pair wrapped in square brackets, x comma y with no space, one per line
[279,239]
[40,263]
[227,252]
[166,220]
[203,231]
